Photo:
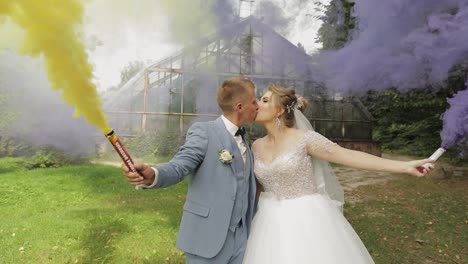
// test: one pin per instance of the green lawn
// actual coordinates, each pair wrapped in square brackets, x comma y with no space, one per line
[90,214]
[413,220]
[85,214]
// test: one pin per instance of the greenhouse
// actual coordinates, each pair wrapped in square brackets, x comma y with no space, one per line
[180,89]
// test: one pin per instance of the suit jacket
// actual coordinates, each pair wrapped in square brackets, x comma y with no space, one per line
[212,187]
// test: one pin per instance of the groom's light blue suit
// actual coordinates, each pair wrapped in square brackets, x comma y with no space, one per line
[220,197]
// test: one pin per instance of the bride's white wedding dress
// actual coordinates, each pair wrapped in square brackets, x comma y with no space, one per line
[294,223]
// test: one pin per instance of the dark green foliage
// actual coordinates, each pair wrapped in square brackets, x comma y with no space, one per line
[247,50]
[338,24]
[406,121]
[410,123]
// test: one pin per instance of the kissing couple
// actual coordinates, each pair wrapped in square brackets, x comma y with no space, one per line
[297,217]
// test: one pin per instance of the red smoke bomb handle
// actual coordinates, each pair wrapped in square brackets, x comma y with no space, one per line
[120,149]
[423,167]
[436,155]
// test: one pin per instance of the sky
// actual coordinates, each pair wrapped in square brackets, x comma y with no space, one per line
[116,34]
[120,31]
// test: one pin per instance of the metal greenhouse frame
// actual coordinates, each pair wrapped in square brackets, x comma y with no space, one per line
[181,88]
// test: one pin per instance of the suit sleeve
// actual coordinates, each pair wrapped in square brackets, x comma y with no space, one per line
[187,159]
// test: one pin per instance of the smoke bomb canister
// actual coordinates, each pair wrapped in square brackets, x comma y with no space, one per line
[435,156]
[119,147]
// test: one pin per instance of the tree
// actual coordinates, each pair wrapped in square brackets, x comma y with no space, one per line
[338,24]
[411,122]
[130,70]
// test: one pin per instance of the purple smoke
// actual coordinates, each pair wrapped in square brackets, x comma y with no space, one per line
[455,120]
[272,15]
[400,43]
[282,15]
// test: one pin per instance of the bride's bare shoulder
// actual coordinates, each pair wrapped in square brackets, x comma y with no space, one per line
[256,145]
[258,142]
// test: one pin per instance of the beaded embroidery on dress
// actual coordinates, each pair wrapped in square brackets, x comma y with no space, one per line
[294,179]
[294,223]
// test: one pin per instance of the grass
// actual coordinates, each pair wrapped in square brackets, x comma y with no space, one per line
[413,220]
[90,214]
[85,214]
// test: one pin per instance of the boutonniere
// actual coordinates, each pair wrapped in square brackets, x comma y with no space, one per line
[225,156]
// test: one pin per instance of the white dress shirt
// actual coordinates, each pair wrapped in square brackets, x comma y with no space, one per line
[232,129]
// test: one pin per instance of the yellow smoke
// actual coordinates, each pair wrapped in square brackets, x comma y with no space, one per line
[11,35]
[51,30]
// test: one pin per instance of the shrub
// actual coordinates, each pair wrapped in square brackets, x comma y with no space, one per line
[48,157]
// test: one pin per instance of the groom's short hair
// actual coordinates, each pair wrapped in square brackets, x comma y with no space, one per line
[233,91]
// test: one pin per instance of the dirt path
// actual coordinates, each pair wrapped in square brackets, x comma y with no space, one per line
[352,178]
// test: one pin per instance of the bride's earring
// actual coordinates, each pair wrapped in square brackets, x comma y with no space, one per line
[278,123]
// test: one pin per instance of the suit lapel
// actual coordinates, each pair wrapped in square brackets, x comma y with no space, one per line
[227,142]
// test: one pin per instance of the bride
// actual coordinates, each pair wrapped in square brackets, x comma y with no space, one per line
[299,217]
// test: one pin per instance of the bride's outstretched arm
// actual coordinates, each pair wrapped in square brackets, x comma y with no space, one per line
[320,147]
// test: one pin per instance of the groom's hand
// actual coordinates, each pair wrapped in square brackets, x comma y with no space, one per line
[145,176]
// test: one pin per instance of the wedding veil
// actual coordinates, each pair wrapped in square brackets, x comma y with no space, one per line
[325,180]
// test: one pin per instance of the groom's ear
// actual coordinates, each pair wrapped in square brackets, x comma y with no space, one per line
[238,107]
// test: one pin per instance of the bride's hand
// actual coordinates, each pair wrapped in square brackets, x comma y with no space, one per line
[411,167]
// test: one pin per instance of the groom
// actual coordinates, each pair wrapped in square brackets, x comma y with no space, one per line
[219,206]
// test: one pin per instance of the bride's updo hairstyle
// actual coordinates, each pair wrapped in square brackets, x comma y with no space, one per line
[286,98]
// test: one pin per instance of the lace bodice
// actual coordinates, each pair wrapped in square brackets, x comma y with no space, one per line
[290,175]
